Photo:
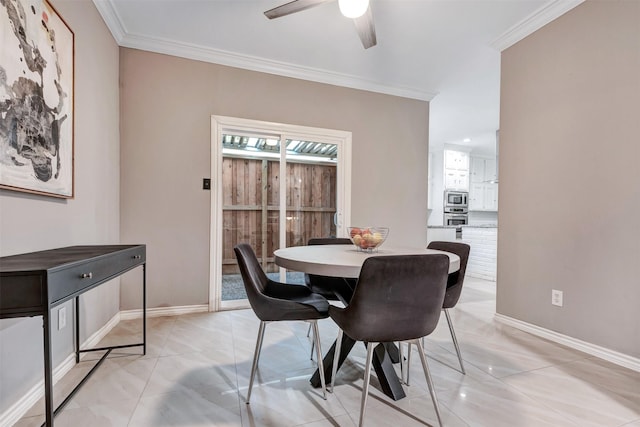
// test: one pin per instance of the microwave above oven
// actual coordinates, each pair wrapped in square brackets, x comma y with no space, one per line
[456,199]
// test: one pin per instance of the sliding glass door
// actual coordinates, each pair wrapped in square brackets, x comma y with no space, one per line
[277,186]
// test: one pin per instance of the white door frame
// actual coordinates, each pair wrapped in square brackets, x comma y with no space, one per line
[221,125]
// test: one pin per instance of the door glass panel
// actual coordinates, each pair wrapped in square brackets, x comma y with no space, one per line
[250,211]
[311,194]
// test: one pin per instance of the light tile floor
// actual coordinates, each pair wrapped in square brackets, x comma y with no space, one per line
[196,373]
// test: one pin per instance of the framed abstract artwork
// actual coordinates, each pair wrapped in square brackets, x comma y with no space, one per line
[36,99]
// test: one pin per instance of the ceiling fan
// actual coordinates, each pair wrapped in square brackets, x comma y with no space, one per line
[358,10]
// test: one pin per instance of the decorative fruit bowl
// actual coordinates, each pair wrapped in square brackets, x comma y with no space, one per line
[368,239]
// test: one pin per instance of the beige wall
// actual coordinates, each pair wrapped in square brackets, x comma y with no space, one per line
[166,105]
[30,223]
[569,176]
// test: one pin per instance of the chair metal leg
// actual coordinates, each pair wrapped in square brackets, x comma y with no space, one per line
[256,356]
[367,377]
[427,375]
[313,341]
[402,365]
[336,358]
[316,335]
[408,361]
[455,340]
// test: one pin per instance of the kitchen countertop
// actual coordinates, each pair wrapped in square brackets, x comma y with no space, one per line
[464,226]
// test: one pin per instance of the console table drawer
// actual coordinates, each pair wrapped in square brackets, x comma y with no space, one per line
[68,282]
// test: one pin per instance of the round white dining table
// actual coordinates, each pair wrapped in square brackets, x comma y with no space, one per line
[344,260]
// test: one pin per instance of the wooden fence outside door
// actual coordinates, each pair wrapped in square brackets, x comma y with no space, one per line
[251,195]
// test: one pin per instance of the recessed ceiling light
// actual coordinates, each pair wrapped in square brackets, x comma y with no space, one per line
[466,140]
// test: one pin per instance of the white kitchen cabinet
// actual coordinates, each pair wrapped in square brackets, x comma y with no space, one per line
[483,197]
[476,197]
[490,197]
[441,234]
[476,173]
[483,170]
[456,170]
[456,180]
[430,182]
[483,257]
[457,160]
[490,170]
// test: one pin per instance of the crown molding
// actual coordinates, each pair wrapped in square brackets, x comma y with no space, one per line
[247,62]
[534,22]
[254,63]
[111,18]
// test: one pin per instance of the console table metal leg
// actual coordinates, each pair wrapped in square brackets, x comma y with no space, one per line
[76,324]
[144,308]
[48,368]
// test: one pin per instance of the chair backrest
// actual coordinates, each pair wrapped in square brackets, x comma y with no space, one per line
[273,301]
[329,241]
[325,285]
[254,278]
[396,298]
[455,280]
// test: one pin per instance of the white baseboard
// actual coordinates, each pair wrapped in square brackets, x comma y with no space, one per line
[164,311]
[612,356]
[483,276]
[96,337]
[18,409]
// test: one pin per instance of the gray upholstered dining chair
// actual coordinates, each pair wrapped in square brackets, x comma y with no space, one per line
[328,287]
[454,285]
[272,301]
[384,308]
[455,281]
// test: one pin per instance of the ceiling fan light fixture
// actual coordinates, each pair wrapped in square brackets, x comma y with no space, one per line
[353,8]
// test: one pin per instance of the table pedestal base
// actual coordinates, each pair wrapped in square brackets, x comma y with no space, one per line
[384,356]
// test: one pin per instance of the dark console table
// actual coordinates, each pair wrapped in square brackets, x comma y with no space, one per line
[33,284]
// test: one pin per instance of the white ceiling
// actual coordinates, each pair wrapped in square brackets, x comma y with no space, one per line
[445,51]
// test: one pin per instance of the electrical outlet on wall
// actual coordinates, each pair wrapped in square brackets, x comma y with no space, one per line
[556,297]
[62,318]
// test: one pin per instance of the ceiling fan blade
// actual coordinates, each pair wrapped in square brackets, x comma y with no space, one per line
[292,7]
[366,30]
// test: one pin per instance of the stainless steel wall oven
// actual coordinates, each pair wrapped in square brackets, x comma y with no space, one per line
[457,217]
